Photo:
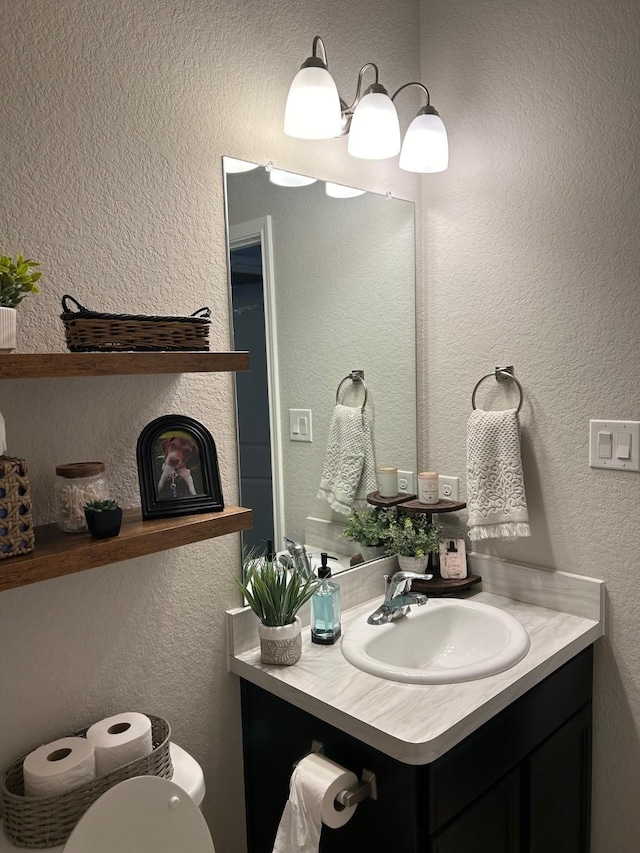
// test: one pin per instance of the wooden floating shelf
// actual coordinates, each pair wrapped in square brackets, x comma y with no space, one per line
[59,553]
[59,364]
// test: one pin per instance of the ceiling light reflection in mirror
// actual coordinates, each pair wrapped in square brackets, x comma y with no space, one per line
[320,286]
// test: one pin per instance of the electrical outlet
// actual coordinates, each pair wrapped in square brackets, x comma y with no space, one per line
[405,482]
[448,488]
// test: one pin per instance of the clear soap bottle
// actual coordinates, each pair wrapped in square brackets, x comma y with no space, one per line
[325,607]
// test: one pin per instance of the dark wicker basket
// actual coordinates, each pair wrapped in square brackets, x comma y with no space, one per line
[91,331]
[16,521]
[39,822]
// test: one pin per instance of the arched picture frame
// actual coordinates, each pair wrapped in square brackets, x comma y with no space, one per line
[178,468]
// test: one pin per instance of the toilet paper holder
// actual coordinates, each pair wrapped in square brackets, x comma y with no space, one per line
[366,789]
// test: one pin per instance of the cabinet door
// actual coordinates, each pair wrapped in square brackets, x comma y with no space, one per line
[560,789]
[490,825]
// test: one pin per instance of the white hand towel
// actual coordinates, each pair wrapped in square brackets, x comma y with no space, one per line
[495,483]
[349,473]
[3,436]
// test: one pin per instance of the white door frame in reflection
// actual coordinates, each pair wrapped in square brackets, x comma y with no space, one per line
[259,231]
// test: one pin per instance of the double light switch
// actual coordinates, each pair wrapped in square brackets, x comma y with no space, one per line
[615,444]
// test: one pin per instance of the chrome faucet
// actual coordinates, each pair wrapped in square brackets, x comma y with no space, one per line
[299,558]
[399,598]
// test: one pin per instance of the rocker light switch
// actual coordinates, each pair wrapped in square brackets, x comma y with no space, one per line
[615,445]
[604,445]
[623,449]
[300,425]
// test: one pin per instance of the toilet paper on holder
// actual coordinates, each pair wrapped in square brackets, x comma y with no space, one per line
[365,789]
[321,793]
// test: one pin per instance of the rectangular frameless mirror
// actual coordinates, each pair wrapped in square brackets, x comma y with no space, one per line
[322,281]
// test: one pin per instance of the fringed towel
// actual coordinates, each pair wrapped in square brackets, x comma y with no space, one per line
[495,484]
[349,472]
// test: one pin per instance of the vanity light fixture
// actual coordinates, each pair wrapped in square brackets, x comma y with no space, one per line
[371,121]
[340,191]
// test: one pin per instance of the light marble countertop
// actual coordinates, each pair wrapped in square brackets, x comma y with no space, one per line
[417,723]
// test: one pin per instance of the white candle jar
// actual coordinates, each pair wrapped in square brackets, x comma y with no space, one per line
[77,484]
[387,482]
[428,487]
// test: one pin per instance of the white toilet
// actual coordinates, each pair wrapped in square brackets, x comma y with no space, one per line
[143,815]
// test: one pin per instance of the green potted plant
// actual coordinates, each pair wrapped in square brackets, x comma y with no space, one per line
[276,595]
[370,529]
[17,279]
[104,518]
[412,538]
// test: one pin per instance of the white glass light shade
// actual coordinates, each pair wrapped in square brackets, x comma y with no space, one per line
[290,179]
[425,147]
[375,129]
[313,106]
[232,166]
[340,191]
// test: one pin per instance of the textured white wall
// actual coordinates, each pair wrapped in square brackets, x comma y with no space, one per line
[531,258]
[116,116]
[344,274]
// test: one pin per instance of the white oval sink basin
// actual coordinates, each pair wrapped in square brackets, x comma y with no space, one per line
[443,642]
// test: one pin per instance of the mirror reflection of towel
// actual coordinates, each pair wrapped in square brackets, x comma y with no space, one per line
[349,472]
[3,436]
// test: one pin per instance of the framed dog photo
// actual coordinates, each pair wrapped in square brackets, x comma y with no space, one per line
[178,468]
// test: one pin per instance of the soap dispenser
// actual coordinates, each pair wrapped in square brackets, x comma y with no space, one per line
[325,607]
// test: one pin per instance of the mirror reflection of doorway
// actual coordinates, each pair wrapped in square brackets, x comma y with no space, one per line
[257,410]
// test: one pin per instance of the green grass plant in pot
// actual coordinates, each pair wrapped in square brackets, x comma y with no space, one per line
[275,596]
[370,529]
[104,518]
[412,538]
[17,279]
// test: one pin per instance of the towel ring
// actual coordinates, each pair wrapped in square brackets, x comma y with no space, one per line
[354,376]
[499,373]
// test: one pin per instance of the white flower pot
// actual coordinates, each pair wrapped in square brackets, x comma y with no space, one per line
[7,329]
[281,645]
[372,552]
[413,564]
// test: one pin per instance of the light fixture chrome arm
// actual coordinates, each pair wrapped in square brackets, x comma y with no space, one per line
[427,109]
[347,111]
[317,41]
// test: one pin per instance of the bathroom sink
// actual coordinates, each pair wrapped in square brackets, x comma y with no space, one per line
[443,642]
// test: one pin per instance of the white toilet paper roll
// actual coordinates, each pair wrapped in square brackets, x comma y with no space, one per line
[315,783]
[120,739]
[58,766]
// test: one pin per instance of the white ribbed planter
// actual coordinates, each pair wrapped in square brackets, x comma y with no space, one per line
[281,645]
[413,564]
[7,329]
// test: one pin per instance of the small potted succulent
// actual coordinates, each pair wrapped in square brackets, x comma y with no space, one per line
[17,279]
[276,595]
[370,529]
[412,538]
[104,518]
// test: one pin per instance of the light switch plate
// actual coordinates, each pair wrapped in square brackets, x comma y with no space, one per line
[623,434]
[300,425]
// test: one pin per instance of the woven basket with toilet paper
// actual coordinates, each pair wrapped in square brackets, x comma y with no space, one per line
[45,792]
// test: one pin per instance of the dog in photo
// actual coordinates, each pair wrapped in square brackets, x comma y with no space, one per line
[180,455]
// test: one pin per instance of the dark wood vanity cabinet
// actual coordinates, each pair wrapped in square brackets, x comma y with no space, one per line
[519,784]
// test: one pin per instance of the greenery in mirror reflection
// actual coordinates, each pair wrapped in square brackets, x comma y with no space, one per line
[369,527]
